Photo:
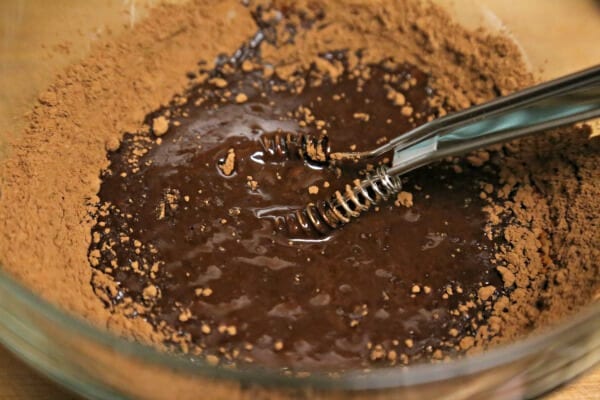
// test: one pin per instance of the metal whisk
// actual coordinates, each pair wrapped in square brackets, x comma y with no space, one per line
[563,101]
[285,145]
[326,215]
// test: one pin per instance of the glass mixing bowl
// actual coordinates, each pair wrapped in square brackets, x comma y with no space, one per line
[99,365]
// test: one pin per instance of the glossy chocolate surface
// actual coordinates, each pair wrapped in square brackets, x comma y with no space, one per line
[230,281]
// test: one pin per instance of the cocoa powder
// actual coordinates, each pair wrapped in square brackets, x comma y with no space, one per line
[50,180]
[51,175]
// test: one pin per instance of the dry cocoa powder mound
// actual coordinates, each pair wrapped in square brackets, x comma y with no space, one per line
[467,67]
[50,180]
[549,198]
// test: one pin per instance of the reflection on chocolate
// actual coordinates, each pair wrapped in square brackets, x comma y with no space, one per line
[190,228]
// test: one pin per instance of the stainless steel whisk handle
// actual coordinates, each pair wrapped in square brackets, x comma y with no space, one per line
[562,101]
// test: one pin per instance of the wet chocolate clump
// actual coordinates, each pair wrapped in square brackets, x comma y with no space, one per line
[190,224]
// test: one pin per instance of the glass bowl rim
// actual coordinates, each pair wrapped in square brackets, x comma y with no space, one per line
[380,378]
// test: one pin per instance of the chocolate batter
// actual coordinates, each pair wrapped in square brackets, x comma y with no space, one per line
[191,225]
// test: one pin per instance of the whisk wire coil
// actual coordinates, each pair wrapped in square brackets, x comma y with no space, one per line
[356,198]
[305,146]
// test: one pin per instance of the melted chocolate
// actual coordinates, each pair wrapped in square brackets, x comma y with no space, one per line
[231,281]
